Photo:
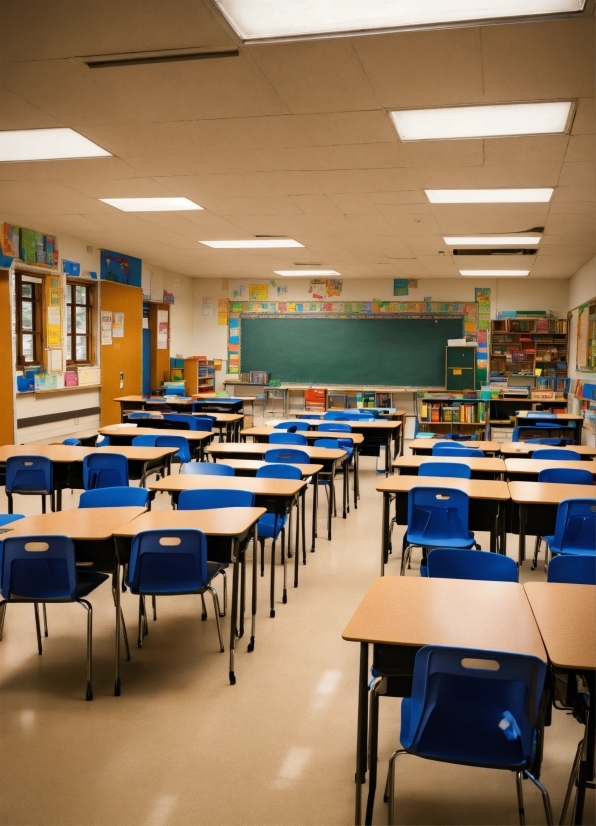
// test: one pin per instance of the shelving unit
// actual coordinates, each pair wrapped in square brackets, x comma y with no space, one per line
[199,375]
[449,414]
[522,346]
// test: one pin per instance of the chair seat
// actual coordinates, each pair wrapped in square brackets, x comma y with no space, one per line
[88,581]
[214,568]
[270,525]
[464,732]
[455,542]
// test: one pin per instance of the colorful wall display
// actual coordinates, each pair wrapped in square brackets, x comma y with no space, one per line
[30,246]
[325,287]
[482,296]
[121,268]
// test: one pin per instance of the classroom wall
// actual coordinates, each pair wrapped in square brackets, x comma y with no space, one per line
[181,311]
[582,287]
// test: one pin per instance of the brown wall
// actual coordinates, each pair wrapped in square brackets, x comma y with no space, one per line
[160,359]
[124,354]
[6,364]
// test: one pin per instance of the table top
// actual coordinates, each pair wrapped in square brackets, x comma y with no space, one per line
[379,424]
[137,452]
[418,611]
[181,399]
[484,463]
[548,493]
[57,453]
[78,523]
[565,616]
[218,522]
[562,417]
[252,465]
[515,448]
[534,466]
[475,488]
[263,430]
[262,486]
[139,429]
[422,444]
[260,448]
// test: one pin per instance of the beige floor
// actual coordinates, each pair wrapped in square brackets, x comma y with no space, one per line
[181,746]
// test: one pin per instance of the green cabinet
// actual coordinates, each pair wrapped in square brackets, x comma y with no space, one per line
[460,368]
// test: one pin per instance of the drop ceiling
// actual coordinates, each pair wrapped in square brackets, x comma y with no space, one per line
[293,139]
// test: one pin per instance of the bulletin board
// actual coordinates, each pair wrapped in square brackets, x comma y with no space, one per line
[586,337]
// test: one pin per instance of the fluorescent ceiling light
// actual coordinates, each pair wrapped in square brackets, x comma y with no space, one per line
[493,241]
[495,273]
[47,145]
[458,122]
[306,272]
[489,196]
[252,244]
[151,204]
[270,19]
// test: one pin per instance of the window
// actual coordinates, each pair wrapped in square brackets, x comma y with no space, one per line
[79,324]
[29,316]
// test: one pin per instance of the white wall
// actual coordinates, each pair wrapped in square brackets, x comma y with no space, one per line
[582,287]
[181,311]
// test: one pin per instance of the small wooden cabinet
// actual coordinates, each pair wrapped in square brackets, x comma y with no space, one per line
[199,375]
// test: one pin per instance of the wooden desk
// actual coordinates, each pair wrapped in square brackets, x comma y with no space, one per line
[226,423]
[249,467]
[487,500]
[482,468]
[92,530]
[562,419]
[137,402]
[518,469]
[398,615]
[328,457]
[537,507]
[423,447]
[62,454]
[234,523]
[565,616]
[123,434]
[277,495]
[510,450]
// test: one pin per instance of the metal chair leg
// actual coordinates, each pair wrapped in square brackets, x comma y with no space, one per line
[45,619]
[204,609]
[37,627]
[262,544]
[216,609]
[284,597]
[272,585]
[154,606]
[87,606]
[520,798]
[225,593]
[545,797]
[405,559]
[141,629]
[2,618]
[572,780]
[536,552]
[391,784]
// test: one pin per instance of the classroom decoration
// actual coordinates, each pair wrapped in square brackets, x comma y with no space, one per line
[258,292]
[222,311]
[586,337]
[325,287]
[400,286]
[71,267]
[168,298]
[30,246]
[482,296]
[121,268]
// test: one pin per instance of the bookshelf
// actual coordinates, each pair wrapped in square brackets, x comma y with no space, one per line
[199,375]
[449,414]
[532,348]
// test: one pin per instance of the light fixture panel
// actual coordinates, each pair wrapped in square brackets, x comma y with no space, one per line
[151,204]
[47,145]
[288,273]
[489,196]
[492,240]
[495,273]
[252,244]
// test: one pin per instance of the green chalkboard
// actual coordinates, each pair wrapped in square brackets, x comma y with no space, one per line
[372,351]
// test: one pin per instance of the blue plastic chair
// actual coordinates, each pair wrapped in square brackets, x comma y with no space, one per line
[144,441]
[287,456]
[553,442]
[575,528]
[339,427]
[566,476]
[105,470]
[204,423]
[72,441]
[43,569]
[279,471]
[475,708]
[114,498]
[453,449]
[456,563]
[141,414]
[171,563]
[103,442]
[30,476]
[437,518]
[293,426]
[517,431]
[558,454]
[285,438]
[207,469]
[578,570]
[7,518]
[182,418]
[182,455]
[461,471]
[211,498]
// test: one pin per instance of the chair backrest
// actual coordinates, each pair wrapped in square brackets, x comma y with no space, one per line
[180,442]
[331,444]
[38,567]
[7,518]
[209,498]
[553,442]
[279,471]
[181,418]
[143,441]
[287,455]
[541,416]
[453,449]
[339,427]
[559,454]
[204,423]
[168,562]
[579,570]
[438,514]
[104,442]
[207,469]
[72,441]
[455,563]
[460,470]
[293,426]
[117,497]
[105,470]
[451,690]
[29,474]
[333,415]
[284,438]
[575,526]
[566,476]
[142,414]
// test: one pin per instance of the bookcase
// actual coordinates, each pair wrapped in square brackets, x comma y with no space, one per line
[457,415]
[199,375]
[533,348]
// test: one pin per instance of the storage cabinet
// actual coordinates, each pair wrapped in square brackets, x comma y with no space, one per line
[460,368]
[199,375]
[533,348]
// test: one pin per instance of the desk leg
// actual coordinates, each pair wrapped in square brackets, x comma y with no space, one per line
[234,613]
[388,455]
[297,542]
[288,554]
[253,626]
[315,507]
[361,744]
[345,491]
[523,515]
[586,766]
[118,616]
[356,476]
[385,532]
[331,501]
[373,728]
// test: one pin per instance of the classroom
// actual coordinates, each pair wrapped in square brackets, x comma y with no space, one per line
[298,404]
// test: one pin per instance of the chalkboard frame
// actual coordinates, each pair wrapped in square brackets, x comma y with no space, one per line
[375,317]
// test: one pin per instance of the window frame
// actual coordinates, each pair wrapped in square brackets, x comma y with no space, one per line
[70,309]
[37,301]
